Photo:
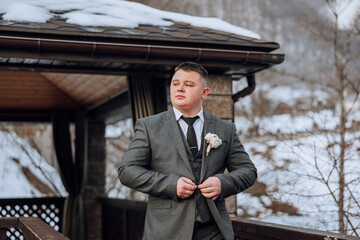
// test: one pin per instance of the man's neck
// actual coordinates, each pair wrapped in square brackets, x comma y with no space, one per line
[189,113]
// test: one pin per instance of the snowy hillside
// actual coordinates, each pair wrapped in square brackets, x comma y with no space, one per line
[24,173]
[290,174]
[293,152]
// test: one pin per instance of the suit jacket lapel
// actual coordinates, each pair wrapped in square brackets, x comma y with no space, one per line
[209,127]
[173,129]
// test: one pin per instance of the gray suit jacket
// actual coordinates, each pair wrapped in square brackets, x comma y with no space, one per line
[157,157]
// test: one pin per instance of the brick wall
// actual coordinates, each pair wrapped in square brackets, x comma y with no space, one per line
[219,101]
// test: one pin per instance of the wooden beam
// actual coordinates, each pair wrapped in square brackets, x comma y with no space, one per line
[31,91]
[8,222]
[32,228]
[254,230]
[35,229]
[84,63]
[28,116]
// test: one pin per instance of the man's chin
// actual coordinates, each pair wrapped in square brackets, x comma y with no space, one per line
[179,103]
[181,107]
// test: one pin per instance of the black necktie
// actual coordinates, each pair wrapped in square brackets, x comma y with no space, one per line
[191,136]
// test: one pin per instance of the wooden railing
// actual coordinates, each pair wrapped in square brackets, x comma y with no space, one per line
[246,229]
[124,220]
[48,209]
[32,228]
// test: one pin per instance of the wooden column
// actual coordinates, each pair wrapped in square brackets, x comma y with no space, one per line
[3,234]
[95,185]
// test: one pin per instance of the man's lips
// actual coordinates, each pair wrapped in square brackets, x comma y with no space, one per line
[180,96]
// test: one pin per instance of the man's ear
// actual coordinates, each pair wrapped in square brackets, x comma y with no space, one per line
[206,91]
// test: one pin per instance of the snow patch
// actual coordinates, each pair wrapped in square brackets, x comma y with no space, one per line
[13,182]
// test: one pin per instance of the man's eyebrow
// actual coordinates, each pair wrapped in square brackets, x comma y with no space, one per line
[186,81]
[189,81]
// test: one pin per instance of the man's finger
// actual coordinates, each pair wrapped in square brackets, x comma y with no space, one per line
[207,190]
[209,195]
[191,188]
[214,198]
[185,187]
[189,191]
[204,185]
[188,180]
[210,182]
[212,195]
[186,194]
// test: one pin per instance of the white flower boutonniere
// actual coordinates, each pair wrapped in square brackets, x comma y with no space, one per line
[213,140]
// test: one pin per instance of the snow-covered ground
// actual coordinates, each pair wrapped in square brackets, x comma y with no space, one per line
[120,128]
[15,154]
[292,168]
[291,176]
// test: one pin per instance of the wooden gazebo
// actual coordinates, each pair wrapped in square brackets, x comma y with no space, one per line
[65,73]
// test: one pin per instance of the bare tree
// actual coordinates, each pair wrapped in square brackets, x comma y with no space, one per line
[342,58]
[336,71]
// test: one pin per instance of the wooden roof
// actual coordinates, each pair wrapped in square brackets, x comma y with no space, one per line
[56,91]
[87,89]
[180,35]
[175,34]
[61,66]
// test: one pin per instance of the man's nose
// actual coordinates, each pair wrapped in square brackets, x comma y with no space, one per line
[180,88]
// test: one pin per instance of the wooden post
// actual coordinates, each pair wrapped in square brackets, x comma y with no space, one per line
[95,185]
[3,234]
[5,224]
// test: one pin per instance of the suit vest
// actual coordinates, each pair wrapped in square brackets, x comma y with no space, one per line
[202,212]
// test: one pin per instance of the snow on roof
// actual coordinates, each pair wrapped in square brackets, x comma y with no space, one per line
[115,13]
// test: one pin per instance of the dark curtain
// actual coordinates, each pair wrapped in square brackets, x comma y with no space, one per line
[147,96]
[72,171]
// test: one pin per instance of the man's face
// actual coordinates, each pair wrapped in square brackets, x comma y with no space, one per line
[187,92]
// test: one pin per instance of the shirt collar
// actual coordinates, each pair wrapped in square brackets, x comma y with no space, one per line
[178,114]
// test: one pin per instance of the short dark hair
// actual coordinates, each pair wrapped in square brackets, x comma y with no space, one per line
[194,67]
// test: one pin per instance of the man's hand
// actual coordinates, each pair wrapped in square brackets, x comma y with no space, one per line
[185,187]
[211,188]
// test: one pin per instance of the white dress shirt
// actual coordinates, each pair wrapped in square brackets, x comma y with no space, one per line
[198,124]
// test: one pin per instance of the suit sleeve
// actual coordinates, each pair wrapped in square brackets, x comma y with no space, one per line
[135,171]
[242,172]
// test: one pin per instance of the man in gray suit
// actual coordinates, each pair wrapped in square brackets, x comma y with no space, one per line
[183,173]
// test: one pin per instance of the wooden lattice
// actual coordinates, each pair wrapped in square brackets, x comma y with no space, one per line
[48,209]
